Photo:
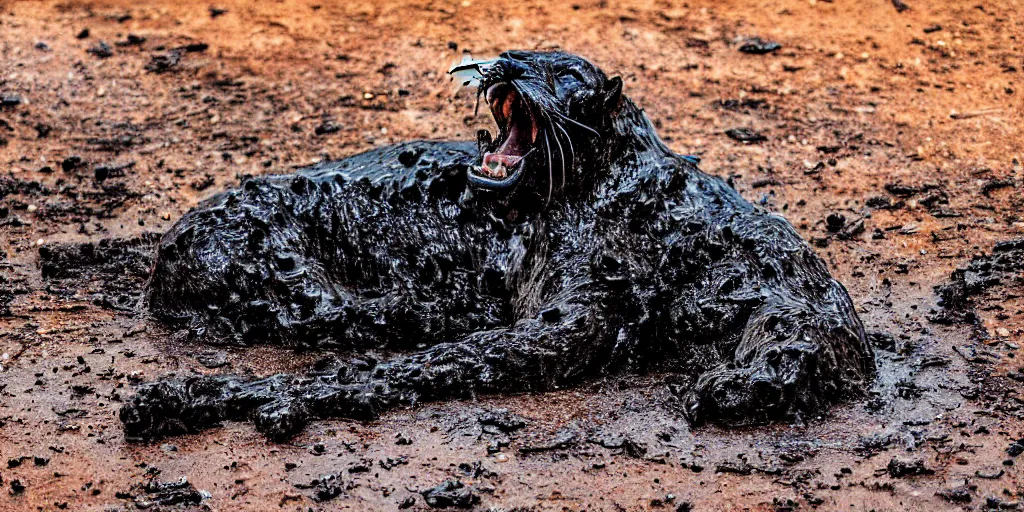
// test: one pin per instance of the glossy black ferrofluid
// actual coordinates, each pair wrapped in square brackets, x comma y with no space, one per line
[611,254]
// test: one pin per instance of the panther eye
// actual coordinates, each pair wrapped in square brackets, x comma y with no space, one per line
[571,73]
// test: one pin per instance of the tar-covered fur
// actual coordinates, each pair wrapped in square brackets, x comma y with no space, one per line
[609,253]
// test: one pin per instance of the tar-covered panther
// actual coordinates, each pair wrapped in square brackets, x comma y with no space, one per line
[573,245]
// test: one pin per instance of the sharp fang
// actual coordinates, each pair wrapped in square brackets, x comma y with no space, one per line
[494,170]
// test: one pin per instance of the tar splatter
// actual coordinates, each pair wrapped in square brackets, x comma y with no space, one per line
[575,245]
[1005,265]
[111,271]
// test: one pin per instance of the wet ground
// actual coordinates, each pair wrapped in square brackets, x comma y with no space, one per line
[892,142]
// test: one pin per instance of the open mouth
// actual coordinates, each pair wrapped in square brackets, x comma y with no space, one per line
[503,167]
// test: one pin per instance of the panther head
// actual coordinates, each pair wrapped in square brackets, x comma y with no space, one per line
[553,111]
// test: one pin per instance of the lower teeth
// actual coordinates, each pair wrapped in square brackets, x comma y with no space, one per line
[494,170]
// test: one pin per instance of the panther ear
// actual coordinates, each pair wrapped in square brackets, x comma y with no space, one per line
[612,93]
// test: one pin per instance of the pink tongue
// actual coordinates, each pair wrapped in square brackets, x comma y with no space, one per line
[494,159]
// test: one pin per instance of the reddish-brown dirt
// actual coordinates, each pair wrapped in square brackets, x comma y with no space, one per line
[861,96]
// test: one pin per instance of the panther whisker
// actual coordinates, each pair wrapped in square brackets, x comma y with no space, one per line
[551,172]
[561,157]
[572,151]
[577,123]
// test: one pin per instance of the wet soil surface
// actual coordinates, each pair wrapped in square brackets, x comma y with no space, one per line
[888,133]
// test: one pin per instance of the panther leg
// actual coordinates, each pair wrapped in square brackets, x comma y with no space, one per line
[563,344]
[557,348]
[771,387]
[791,361]
[172,406]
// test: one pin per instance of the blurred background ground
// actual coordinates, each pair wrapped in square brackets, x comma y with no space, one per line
[901,120]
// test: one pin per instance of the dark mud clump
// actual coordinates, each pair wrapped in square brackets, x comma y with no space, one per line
[758,46]
[450,493]
[899,468]
[576,245]
[961,494]
[7,281]
[327,488]
[156,494]
[112,270]
[501,420]
[1003,266]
